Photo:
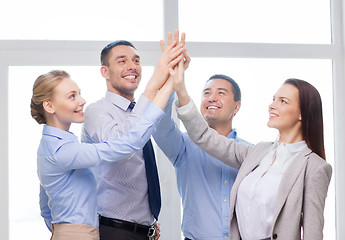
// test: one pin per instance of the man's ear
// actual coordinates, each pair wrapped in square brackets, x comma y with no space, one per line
[104,72]
[48,106]
[237,107]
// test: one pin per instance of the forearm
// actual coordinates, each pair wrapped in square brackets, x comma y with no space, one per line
[209,140]
[183,97]
[168,136]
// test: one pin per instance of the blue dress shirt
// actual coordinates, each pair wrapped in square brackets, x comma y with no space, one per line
[68,188]
[204,183]
[122,191]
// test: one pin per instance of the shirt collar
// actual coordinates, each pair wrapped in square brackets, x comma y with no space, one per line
[118,100]
[232,134]
[59,133]
[291,147]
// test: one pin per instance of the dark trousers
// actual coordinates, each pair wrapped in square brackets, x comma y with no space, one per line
[111,233]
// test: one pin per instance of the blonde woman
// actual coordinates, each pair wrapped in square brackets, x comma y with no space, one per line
[68,189]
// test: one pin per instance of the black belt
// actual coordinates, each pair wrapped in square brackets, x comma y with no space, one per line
[148,231]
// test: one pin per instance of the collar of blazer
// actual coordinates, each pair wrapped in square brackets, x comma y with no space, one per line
[292,173]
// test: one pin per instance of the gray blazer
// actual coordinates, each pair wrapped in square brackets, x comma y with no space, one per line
[302,191]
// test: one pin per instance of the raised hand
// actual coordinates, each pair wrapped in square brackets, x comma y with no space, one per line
[176,39]
[177,76]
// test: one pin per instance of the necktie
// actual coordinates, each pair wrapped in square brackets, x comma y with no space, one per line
[151,175]
[131,105]
[152,179]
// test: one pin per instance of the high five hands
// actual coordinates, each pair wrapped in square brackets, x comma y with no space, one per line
[168,73]
[176,72]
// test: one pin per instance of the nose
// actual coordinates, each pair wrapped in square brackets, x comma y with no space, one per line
[131,65]
[271,106]
[212,97]
[82,101]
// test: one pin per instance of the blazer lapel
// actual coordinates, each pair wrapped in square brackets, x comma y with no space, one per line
[288,180]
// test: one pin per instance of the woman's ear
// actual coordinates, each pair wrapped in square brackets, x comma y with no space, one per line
[48,106]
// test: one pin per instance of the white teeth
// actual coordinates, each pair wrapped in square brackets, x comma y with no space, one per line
[212,107]
[130,77]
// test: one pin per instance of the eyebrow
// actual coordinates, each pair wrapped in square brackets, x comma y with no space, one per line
[224,89]
[124,56]
[73,91]
[281,98]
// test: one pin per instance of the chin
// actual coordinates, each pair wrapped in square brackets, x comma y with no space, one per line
[270,125]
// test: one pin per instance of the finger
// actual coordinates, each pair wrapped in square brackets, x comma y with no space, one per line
[171,71]
[176,35]
[175,61]
[183,38]
[169,38]
[162,45]
[186,61]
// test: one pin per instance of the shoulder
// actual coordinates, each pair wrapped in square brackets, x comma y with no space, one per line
[99,105]
[262,146]
[317,164]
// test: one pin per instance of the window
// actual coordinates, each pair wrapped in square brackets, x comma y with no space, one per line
[269,21]
[259,44]
[81,20]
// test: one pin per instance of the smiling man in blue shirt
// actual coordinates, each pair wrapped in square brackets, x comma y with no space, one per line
[204,183]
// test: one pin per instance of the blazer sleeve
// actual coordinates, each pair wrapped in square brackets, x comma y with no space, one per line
[317,179]
[226,150]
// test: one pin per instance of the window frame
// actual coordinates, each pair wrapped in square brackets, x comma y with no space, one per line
[86,53]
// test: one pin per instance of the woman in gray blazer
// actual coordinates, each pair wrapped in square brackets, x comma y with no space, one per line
[281,186]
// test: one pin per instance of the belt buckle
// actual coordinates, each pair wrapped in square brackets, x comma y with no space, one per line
[152,232]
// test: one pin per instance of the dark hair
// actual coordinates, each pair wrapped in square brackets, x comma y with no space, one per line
[106,50]
[235,88]
[311,113]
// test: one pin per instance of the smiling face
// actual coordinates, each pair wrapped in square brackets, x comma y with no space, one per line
[65,106]
[284,111]
[123,71]
[217,104]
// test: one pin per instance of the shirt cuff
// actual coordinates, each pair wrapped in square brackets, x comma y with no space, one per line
[141,105]
[185,112]
[147,109]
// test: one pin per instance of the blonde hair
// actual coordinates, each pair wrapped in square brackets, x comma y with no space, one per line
[43,90]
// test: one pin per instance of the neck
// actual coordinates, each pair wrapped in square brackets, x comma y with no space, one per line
[290,137]
[57,124]
[126,94]
[222,129]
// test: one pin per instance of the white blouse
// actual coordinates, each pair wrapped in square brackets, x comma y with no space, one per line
[257,192]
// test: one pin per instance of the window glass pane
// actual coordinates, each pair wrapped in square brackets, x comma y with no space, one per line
[81,20]
[259,79]
[272,21]
[24,137]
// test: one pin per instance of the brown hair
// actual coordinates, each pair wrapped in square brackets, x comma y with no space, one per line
[311,113]
[43,90]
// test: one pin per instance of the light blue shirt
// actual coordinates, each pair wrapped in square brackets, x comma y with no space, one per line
[68,188]
[204,183]
[122,191]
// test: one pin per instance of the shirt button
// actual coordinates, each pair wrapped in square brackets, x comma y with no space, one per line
[225,237]
[226,219]
[225,181]
[225,200]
